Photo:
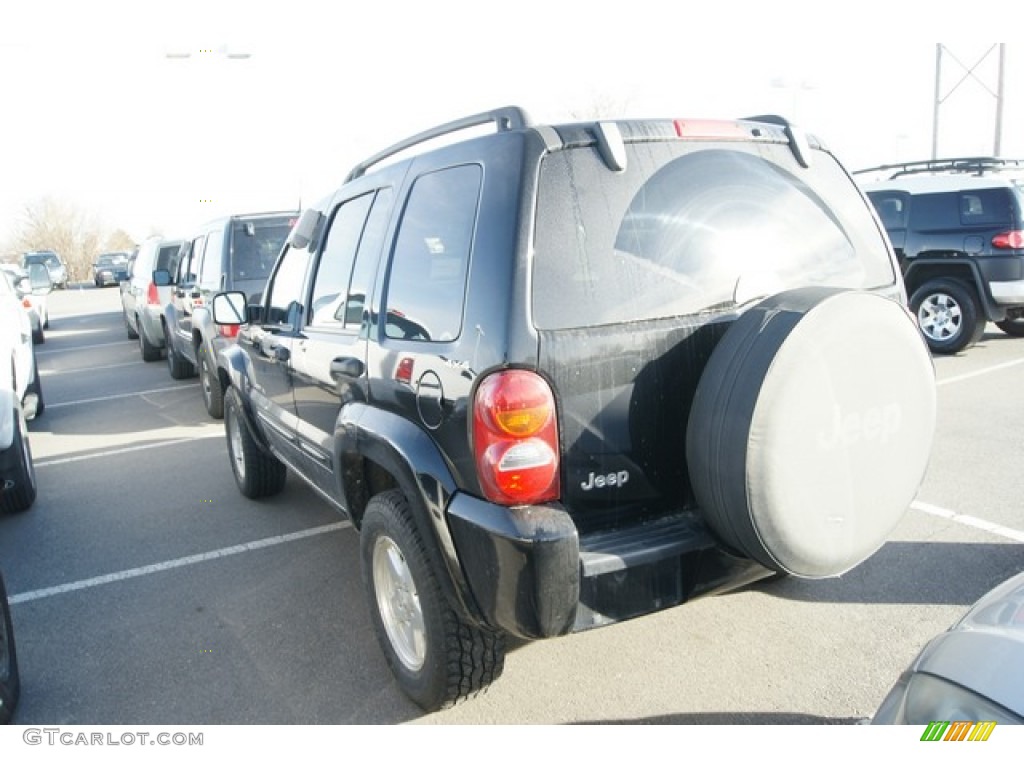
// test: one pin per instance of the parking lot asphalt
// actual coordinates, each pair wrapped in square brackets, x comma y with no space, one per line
[146,589]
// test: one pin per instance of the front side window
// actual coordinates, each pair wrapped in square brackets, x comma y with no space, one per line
[213,262]
[285,299]
[427,283]
[335,266]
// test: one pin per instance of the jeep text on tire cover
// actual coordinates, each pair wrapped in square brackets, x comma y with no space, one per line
[563,376]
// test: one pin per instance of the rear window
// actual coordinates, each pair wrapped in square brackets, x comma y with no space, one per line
[688,228]
[255,245]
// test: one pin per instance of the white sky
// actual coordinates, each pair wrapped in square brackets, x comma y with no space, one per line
[94,113]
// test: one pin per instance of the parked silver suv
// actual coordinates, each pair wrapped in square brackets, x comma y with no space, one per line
[146,291]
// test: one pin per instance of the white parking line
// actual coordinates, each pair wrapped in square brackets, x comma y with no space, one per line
[117,397]
[52,372]
[76,348]
[181,562]
[130,449]
[974,522]
[981,372]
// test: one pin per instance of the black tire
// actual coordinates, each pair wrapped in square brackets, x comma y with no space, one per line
[257,472]
[437,658]
[209,382]
[811,429]
[150,352]
[38,337]
[1012,326]
[179,367]
[36,388]
[17,469]
[132,333]
[10,683]
[948,314]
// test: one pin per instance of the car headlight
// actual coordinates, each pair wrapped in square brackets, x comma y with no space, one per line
[927,698]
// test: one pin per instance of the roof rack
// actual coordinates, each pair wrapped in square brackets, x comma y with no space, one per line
[504,118]
[974,165]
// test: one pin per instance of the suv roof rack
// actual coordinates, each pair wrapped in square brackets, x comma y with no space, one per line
[504,118]
[974,165]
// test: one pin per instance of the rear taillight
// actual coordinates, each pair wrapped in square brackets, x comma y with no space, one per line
[228,331]
[515,438]
[1012,239]
[152,294]
[26,304]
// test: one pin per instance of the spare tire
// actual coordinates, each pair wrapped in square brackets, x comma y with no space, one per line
[811,429]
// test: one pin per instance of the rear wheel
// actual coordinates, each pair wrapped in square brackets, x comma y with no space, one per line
[1013,325]
[132,333]
[150,352]
[16,463]
[9,682]
[179,367]
[35,391]
[213,393]
[437,658]
[258,473]
[948,315]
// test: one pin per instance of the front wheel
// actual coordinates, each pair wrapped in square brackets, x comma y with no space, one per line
[9,682]
[437,658]
[948,315]
[213,393]
[17,469]
[257,472]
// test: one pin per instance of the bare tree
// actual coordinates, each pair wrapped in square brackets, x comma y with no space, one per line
[119,240]
[75,235]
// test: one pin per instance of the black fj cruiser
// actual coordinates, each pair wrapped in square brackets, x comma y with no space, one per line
[957,227]
[560,376]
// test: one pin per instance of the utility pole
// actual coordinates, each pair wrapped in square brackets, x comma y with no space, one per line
[969,73]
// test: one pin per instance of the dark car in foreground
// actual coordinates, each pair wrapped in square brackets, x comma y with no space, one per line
[562,376]
[972,673]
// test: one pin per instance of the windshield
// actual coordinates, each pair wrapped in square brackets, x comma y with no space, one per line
[685,230]
[49,259]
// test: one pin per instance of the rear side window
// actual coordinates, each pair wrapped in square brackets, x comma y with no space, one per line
[427,284]
[985,207]
[688,229]
[891,207]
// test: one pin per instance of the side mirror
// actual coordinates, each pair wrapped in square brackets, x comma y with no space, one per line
[230,309]
[305,230]
[161,278]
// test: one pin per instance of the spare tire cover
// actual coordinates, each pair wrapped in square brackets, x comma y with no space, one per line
[811,429]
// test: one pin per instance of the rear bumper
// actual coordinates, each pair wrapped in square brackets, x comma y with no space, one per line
[533,575]
[1010,292]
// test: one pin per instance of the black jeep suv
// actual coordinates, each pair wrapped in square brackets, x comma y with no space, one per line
[560,376]
[957,227]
